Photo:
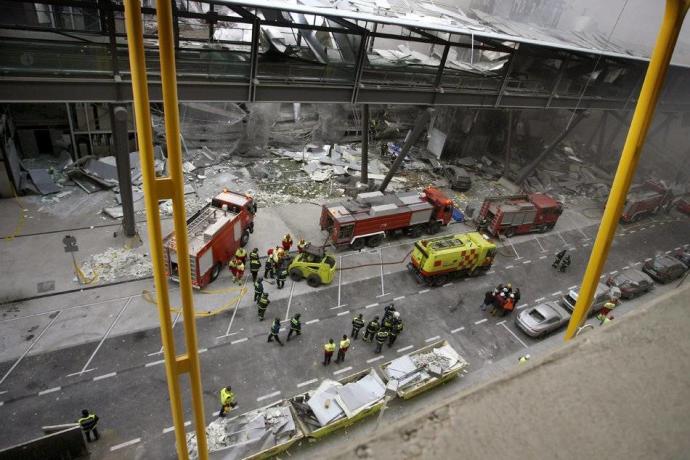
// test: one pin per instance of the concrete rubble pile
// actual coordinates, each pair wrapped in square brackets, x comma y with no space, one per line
[333,401]
[568,175]
[116,264]
[240,437]
[409,370]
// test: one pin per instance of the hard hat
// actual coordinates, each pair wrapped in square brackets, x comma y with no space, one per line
[509,285]
[396,314]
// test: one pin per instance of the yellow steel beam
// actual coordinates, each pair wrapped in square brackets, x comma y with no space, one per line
[644,111]
[166,46]
[155,188]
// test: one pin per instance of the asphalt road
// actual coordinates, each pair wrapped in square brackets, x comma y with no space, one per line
[122,377]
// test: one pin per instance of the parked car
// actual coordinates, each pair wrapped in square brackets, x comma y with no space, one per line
[632,282]
[664,268]
[542,319]
[458,178]
[684,256]
[601,296]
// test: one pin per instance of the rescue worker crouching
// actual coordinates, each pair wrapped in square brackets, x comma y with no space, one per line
[88,423]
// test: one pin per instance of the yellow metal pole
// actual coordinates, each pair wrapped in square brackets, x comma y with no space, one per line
[649,95]
[166,48]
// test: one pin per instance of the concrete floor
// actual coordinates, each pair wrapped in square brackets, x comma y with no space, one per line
[100,347]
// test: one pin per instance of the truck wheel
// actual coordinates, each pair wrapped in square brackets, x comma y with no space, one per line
[314,280]
[357,244]
[295,274]
[433,227]
[416,231]
[215,271]
[245,238]
[374,240]
[509,232]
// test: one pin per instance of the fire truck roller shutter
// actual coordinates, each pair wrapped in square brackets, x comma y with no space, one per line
[205,262]
[420,217]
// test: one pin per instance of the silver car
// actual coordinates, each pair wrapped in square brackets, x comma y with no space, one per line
[601,296]
[542,319]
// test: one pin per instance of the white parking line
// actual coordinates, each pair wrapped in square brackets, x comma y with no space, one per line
[514,335]
[636,264]
[403,349]
[125,444]
[585,245]
[527,262]
[172,428]
[313,321]
[202,350]
[343,313]
[517,256]
[234,310]
[626,267]
[508,267]
[457,330]
[424,291]
[648,259]
[613,272]
[244,339]
[519,307]
[502,322]
[372,305]
[270,395]
[572,287]
[154,363]
[292,289]
[677,248]
[556,293]
[383,291]
[602,277]
[491,272]
[448,284]
[431,339]
[542,257]
[374,359]
[668,252]
[28,349]
[2,403]
[308,382]
[536,238]
[344,369]
[104,376]
[539,299]
[49,390]
[399,298]
[481,321]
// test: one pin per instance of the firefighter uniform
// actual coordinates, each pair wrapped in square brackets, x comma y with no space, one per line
[254,265]
[269,270]
[258,289]
[357,324]
[295,326]
[381,337]
[281,276]
[328,350]
[275,329]
[342,349]
[263,305]
[301,244]
[88,423]
[227,400]
[241,254]
[394,332]
[371,330]
[286,242]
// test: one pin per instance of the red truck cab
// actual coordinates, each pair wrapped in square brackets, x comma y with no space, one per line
[214,233]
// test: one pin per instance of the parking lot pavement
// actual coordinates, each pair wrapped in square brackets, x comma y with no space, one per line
[129,367]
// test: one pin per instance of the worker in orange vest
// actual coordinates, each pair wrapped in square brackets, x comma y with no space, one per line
[301,244]
[239,271]
[232,265]
[241,254]
[287,242]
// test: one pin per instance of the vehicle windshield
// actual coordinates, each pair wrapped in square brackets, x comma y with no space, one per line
[535,314]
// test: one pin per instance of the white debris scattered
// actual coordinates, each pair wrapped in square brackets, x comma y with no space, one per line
[116,264]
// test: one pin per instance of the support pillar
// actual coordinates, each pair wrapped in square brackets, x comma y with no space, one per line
[419,125]
[365,144]
[529,169]
[509,144]
[118,119]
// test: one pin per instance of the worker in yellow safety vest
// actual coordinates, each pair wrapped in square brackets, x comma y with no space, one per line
[328,350]
[241,254]
[227,400]
[232,265]
[342,349]
[88,423]
[523,359]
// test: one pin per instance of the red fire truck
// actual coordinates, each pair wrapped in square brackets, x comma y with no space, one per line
[373,215]
[517,214]
[645,199]
[214,234]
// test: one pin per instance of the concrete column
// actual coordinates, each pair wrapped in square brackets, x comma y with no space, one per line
[365,144]
[118,117]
